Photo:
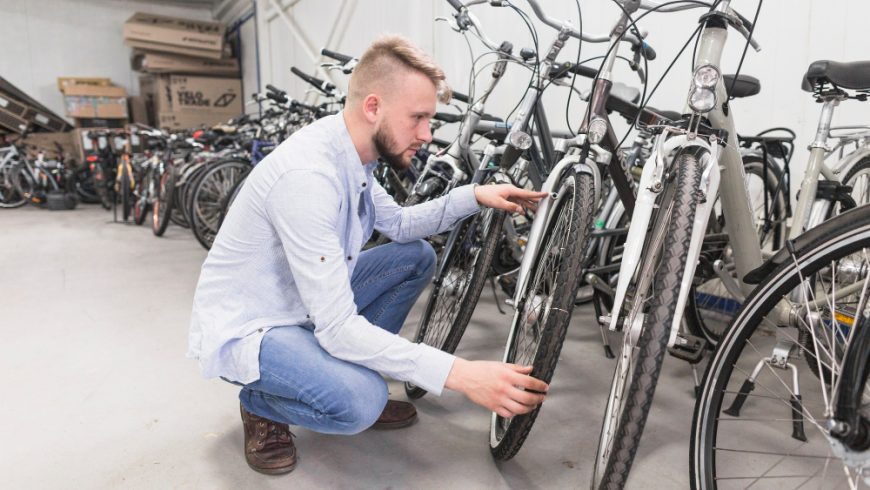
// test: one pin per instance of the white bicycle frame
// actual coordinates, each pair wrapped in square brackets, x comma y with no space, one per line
[723,167]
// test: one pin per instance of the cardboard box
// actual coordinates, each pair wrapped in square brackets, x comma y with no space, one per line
[189,120]
[181,93]
[54,145]
[226,52]
[96,107]
[63,82]
[95,101]
[151,62]
[138,112]
[173,31]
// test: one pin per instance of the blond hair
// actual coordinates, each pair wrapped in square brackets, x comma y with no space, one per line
[380,61]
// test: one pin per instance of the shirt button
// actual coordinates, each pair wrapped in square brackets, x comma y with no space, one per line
[349,257]
[323,259]
[364,184]
[260,330]
[307,316]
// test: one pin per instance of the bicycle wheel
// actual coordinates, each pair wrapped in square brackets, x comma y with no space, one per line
[544,309]
[210,192]
[858,178]
[647,321]
[710,307]
[229,199]
[10,194]
[763,417]
[141,197]
[457,288]
[164,202]
[125,192]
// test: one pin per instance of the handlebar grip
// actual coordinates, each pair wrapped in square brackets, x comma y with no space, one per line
[316,82]
[280,98]
[562,69]
[461,97]
[455,4]
[448,118]
[648,52]
[336,56]
[584,71]
[272,88]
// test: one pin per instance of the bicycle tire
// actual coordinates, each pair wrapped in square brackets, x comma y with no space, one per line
[9,189]
[562,258]
[839,238]
[126,195]
[229,200]
[162,215]
[481,231]
[632,390]
[140,206]
[211,189]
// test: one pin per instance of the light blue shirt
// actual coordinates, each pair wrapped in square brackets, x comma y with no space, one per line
[287,249]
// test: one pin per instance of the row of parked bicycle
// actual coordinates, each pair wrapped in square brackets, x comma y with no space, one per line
[678,233]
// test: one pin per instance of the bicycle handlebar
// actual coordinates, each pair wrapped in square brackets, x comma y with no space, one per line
[317,83]
[568,67]
[461,97]
[343,58]
[456,4]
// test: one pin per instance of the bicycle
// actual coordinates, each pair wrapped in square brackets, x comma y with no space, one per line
[695,160]
[755,421]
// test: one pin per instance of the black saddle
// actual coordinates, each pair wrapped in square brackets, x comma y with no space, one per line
[854,75]
[745,86]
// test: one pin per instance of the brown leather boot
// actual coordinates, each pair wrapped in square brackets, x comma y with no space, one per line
[396,415]
[269,445]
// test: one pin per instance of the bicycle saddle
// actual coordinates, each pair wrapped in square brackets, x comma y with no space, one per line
[854,75]
[744,87]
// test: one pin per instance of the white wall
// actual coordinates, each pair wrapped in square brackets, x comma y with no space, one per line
[792,35]
[41,40]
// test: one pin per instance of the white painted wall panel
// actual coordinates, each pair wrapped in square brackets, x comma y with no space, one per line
[44,39]
[792,35]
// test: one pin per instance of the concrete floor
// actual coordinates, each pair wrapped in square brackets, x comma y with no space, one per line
[98,393]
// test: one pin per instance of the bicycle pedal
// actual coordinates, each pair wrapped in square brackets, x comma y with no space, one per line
[688,348]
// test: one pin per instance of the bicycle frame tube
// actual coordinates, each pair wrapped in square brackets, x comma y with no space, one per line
[732,192]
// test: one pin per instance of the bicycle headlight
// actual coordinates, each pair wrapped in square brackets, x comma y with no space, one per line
[597,130]
[702,96]
[706,76]
[702,99]
[520,140]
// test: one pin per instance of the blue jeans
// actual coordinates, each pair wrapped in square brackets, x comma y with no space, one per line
[301,384]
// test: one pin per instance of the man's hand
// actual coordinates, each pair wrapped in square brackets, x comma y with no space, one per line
[507,197]
[506,389]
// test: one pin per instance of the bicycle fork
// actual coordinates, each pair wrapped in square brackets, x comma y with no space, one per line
[637,240]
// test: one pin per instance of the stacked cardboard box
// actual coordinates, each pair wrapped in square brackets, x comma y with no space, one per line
[188,78]
[89,99]
[94,104]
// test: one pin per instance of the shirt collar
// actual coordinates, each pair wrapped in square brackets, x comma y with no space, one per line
[360,174]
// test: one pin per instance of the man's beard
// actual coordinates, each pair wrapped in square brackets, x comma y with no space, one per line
[383,142]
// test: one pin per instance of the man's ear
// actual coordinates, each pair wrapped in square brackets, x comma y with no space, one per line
[371,107]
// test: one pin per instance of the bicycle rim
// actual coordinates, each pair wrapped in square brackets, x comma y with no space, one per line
[762,418]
